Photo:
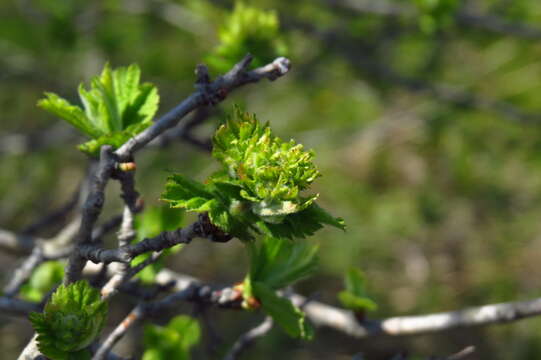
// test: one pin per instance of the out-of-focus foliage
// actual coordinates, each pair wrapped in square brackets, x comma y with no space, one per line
[354,297]
[173,341]
[150,223]
[43,279]
[248,30]
[258,189]
[428,142]
[71,320]
[116,108]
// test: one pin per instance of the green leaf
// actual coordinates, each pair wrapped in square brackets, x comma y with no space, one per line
[278,262]
[43,279]
[355,296]
[71,320]
[258,190]
[283,312]
[173,341]
[72,114]
[248,30]
[116,108]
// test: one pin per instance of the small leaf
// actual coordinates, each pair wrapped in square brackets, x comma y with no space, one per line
[71,320]
[278,262]
[116,108]
[283,312]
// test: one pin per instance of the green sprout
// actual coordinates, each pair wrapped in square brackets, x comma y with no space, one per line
[116,107]
[70,322]
[258,189]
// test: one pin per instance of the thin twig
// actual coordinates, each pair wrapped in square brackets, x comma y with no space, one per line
[212,93]
[247,339]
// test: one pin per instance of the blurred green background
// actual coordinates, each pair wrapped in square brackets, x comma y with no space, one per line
[424,115]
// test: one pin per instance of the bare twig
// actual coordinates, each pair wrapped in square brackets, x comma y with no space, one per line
[57,215]
[16,243]
[91,211]
[247,339]
[24,271]
[211,93]
[202,228]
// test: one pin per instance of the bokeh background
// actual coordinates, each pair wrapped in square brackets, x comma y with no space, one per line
[425,117]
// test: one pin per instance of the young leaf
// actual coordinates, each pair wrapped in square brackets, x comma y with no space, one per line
[283,312]
[173,341]
[278,262]
[71,320]
[116,107]
[248,30]
[258,189]
[355,297]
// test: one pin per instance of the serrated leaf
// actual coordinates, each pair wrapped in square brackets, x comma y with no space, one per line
[283,312]
[116,108]
[71,320]
[278,262]
[72,114]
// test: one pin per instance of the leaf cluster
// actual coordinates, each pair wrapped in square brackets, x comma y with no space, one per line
[248,30]
[71,320]
[116,107]
[258,189]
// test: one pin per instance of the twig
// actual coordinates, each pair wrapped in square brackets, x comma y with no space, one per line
[55,216]
[202,228]
[211,93]
[487,22]
[17,307]
[24,271]
[137,314]
[344,321]
[131,319]
[247,339]
[464,353]
[16,243]
[91,211]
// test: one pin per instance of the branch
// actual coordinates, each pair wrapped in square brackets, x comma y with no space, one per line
[91,211]
[342,320]
[16,243]
[202,228]
[206,94]
[345,321]
[487,22]
[247,339]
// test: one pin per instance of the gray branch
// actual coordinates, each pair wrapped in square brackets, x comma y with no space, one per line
[247,339]
[206,94]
